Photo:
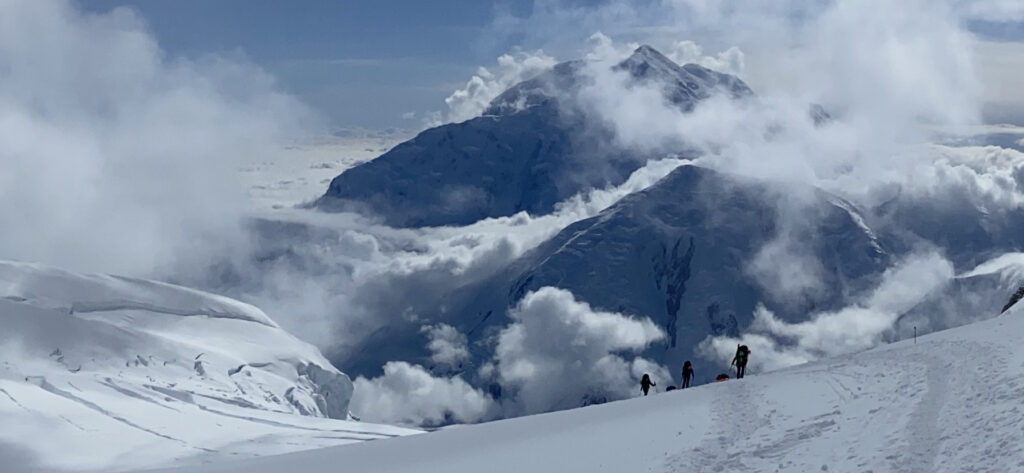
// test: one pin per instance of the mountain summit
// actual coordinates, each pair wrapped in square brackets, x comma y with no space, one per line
[684,85]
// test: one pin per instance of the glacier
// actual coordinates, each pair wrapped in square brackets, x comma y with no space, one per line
[105,373]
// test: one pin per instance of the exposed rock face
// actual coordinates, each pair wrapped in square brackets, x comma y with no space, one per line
[1013,299]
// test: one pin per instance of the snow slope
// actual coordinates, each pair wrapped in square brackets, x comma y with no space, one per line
[951,402]
[107,373]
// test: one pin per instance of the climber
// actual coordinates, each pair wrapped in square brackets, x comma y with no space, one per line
[646,383]
[687,374]
[740,360]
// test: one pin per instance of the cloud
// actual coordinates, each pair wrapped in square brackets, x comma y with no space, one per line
[448,347]
[991,10]
[334,279]
[559,352]
[775,343]
[408,395]
[117,157]
[730,61]
[471,100]
[787,269]
[775,37]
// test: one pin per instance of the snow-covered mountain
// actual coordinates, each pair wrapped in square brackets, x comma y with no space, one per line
[947,402]
[970,232]
[533,148]
[975,294]
[680,252]
[107,373]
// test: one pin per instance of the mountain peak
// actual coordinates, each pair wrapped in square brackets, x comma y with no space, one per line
[683,85]
[646,52]
[646,61]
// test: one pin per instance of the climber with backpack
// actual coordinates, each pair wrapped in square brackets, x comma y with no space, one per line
[740,360]
[646,383]
[687,374]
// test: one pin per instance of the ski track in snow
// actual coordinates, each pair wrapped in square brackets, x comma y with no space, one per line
[46,386]
[736,418]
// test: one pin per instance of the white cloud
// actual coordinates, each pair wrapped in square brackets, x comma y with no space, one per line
[471,100]
[558,352]
[356,277]
[999,65]
[448,347]
[730,61]
[775,343]
[991,10]
[408,395]
[116,157]
[786,268]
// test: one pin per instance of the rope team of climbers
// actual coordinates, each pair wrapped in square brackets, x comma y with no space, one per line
[739,361]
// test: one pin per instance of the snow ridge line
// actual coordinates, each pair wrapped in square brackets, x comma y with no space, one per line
[925,439]
[371,435]
[112,306]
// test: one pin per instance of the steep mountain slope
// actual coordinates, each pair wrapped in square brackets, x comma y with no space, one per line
[948,403]
[534,147]
[683,253]
[106,373]
[679,252]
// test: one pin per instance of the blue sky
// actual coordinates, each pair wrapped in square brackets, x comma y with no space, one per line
[358,62]
[367,62]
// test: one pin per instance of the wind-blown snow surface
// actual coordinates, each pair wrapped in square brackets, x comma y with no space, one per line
[107,373]
[951,402]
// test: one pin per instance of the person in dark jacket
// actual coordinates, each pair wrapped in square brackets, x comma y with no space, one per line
[687,374]
[740,360]
[646,383]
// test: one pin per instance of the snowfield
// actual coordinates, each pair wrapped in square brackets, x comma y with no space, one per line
[949,402]
[106,373]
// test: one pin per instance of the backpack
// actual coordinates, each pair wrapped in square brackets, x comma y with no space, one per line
[741,353]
